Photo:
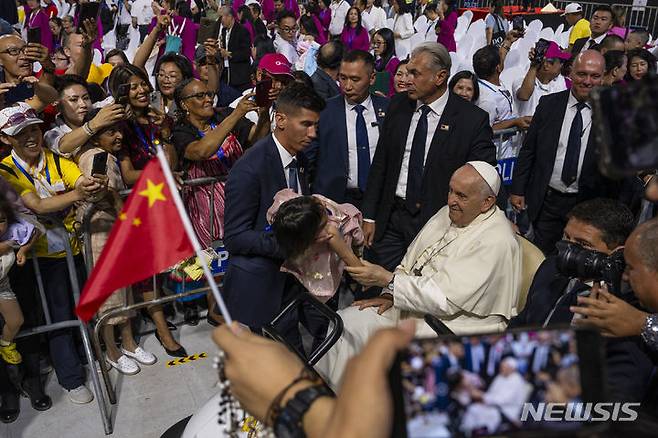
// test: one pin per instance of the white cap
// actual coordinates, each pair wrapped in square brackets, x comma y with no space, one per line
[14,119]
[572,8]
[251,2]
[488,173]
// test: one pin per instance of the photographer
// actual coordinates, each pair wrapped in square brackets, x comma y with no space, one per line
[543,77]
[591,251]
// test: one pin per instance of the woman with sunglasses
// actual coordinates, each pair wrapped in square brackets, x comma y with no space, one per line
[208,144]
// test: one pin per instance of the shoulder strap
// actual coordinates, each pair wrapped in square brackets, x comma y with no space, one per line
[58,165]
[8,169]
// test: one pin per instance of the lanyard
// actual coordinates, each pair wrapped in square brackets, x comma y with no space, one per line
[27,175]
[220,150]
[141,134]
[177,31]
[33,18]
[507,98]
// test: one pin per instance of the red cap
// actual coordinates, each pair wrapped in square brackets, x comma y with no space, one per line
[275,64]
[554,52]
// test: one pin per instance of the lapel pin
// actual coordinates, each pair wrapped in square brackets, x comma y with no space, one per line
[445,127]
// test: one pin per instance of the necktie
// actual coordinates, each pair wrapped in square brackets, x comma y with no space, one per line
[416,162]
[362,148]
[572,156]
[292,176]
[224,42]
[590,43]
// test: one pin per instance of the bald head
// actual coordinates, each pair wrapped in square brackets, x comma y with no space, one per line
[587,73]
[469,196]
[641,255]
[645,237]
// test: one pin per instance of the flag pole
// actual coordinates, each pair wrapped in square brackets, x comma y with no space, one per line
[169,177]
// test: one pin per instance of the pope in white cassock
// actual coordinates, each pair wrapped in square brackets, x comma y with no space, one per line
[464,267]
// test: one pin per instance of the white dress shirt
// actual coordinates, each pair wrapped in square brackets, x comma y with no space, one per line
[377,17]
[596,40]
[430,32]
[286,159]
[286,49]
[556,177]
[143,11]
[433,118]
[338,13]
[373,135]
[497,101]
[404,26]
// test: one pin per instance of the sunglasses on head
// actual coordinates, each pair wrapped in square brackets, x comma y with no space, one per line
[18,118]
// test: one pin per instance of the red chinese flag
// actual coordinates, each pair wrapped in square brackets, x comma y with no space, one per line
[147,238]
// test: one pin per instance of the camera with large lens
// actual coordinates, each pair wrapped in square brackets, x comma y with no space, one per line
[574,261]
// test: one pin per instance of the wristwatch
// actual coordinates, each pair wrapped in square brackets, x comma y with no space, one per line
[390,286]
[289,422]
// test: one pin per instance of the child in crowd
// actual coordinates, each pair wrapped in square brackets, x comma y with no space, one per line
[318,236]
[15,232]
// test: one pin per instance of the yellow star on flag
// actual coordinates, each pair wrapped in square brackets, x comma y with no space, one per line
[153,192]
[137,222]
[123,216]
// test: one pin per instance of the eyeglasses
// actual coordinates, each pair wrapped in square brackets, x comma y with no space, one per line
[59,58]
[201,95]
[15,51]
[18,118]
[378,43]
[169,77]
[289,29]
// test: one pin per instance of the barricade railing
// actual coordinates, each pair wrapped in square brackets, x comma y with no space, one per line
[157,300]
[73,323]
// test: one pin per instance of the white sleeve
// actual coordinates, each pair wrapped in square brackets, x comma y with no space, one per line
[490,108]
[407,29]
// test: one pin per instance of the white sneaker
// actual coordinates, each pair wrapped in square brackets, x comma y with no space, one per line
[140,355]
[81,395]
[125,365]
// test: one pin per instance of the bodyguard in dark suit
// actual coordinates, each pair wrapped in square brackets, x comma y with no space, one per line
[254,286]
[600,23]
[427,135]
[324,78]
[349,130]
[235,49]
[557,164]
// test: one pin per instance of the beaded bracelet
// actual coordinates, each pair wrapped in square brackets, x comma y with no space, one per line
[650,332]
[275,408]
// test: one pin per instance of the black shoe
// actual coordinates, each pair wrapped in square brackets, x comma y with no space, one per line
[177,353]
[170,325]
[38,399]
[191,316]
[11,407]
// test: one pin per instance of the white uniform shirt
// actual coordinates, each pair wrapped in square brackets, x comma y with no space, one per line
[433,118]
[377,17]
[338,13]
[496,100]
[556,177]
[528,107]
[373,135]
[143,11]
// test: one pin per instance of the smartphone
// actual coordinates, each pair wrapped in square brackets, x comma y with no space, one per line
[88,11]
[122,94]
[540,50]
[209,29]
[625,123]
[263,92]
[34,35]
[517,23]
[99,165]
[437,384]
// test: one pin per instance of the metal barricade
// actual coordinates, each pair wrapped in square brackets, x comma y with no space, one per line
[157,300]
[73,323]
[508,143]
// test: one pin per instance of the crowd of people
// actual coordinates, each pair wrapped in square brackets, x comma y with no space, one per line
[359,167]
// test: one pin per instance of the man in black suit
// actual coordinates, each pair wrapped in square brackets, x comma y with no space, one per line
[601,225]
[325,76]
[254,286]
[349,129]
[557,164]
[428,133]
[235,50]
[600,23]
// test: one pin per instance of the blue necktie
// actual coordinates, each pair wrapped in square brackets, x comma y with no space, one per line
[292,176]
[416,162]
[362,148]
[572,156]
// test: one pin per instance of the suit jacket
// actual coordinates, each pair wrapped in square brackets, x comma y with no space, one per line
[463,134]
[579,44]
[254,285]
[628,367]
[239,44]
[332,162]
[534,165]
[324,85]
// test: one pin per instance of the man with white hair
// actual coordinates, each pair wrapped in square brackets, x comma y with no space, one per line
[463,268]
